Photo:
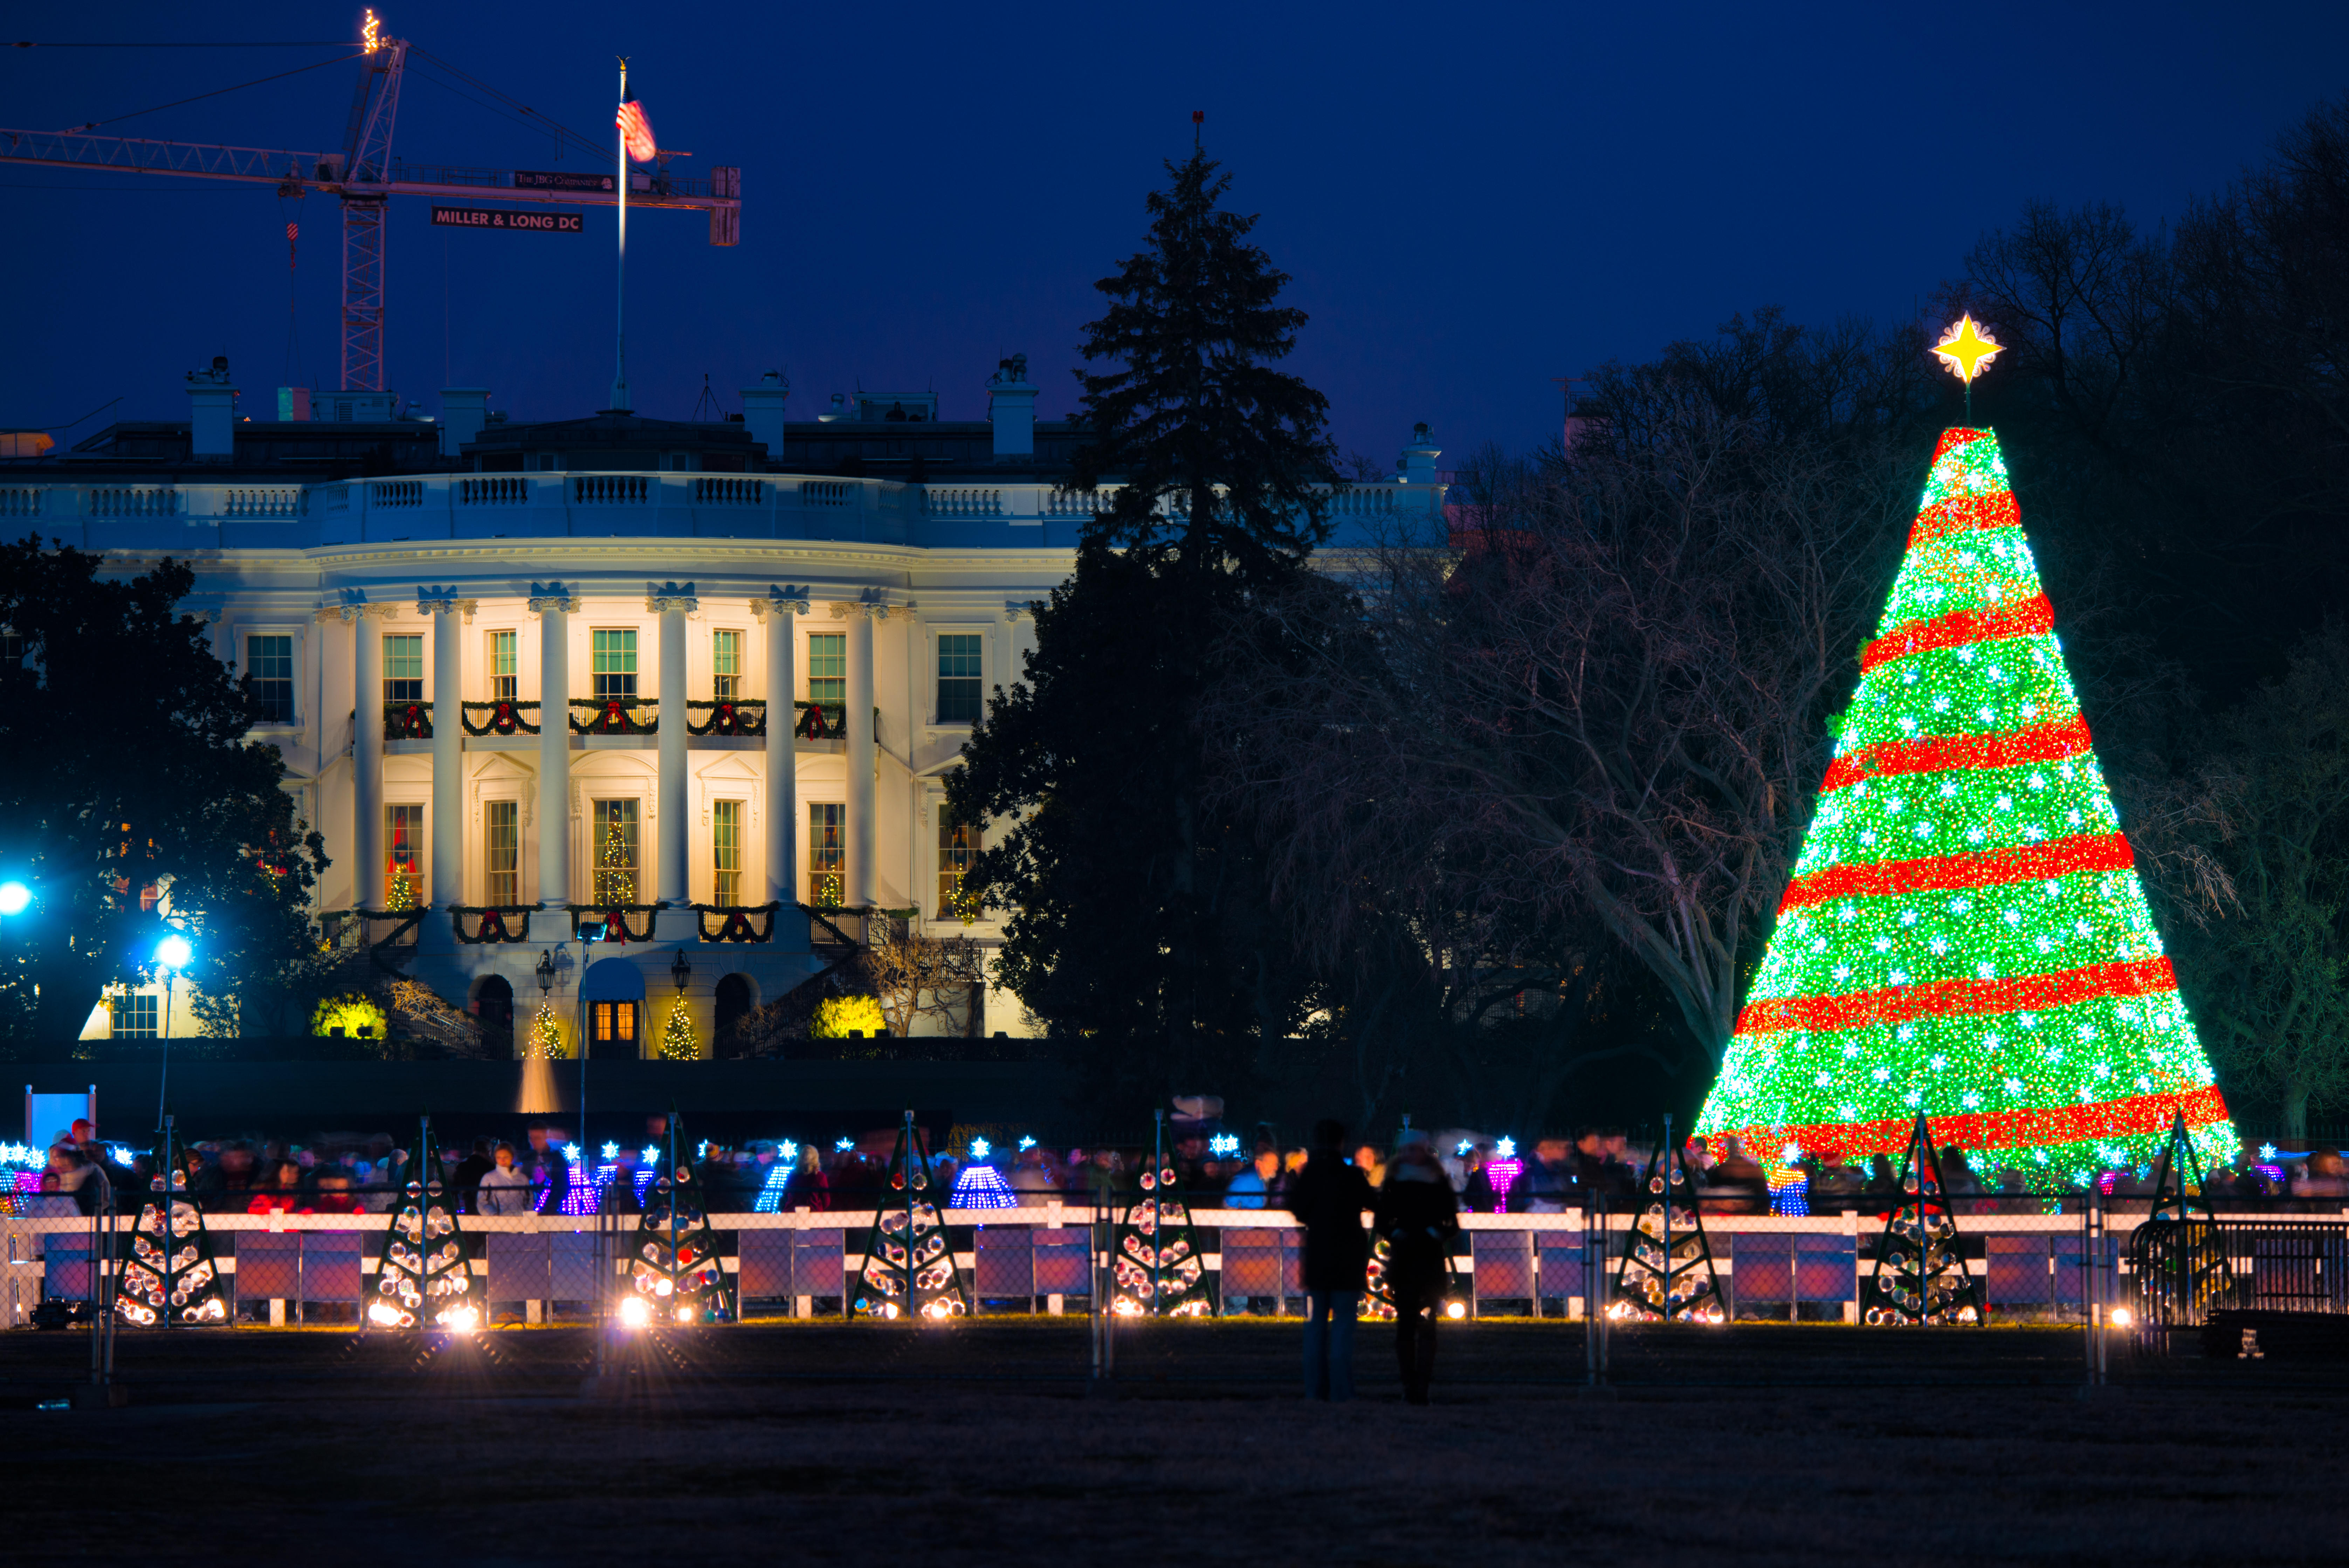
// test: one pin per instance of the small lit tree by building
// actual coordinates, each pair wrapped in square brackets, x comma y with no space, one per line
[678,1043]
[545,1043]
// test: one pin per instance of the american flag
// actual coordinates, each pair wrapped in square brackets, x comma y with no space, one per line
[637,131]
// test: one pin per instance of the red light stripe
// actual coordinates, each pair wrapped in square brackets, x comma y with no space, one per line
[1962,998]
[1977,868]
[2047,743]
[1954,437]
[2136,1115]
[1965,514]
[1959,628]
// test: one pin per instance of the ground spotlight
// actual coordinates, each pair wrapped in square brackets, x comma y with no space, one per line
[635,1313]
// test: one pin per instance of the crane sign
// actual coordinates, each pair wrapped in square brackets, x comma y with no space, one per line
[364,177]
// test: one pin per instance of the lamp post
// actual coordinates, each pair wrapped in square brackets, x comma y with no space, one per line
[172,955]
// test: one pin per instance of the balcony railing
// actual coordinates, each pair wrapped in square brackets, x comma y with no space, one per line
[615,716]
[726,716]
[820,721]
[503,717]
[407,721]
[743,717]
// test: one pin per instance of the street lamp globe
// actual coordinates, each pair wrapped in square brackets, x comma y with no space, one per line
[174,953]
[14,897]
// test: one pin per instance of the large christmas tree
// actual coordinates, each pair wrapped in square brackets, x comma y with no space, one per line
[1965,934]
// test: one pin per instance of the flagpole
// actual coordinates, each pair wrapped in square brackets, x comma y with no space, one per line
[620,311]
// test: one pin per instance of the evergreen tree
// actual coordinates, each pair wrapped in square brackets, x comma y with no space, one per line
[1136,910]
[92,667]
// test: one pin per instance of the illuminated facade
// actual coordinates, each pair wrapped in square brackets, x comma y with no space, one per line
[522,673]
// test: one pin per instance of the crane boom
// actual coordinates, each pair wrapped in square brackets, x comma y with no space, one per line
[363,176]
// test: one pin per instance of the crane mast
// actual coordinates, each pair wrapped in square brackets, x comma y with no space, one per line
[367,162]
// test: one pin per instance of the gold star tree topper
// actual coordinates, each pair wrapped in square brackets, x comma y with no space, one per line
[1966,349]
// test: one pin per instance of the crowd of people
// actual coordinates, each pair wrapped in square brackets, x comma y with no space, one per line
[540,1170]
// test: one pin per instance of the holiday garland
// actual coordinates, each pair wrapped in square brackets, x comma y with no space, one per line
[1964,934]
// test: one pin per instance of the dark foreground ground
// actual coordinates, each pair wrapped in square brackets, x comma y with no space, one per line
[982,1444]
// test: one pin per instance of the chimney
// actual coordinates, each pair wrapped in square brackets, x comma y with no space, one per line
[212,412]
[1417,464]
[1012,409]
[294,403]
[763,412]
[463,412]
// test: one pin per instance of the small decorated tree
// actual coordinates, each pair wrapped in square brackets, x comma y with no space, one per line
[1158,1269]
[400,886]
[676,1041]
[544,1042]
[424,1279]
[675,1270]
[1666,1275]
[909,1269]
[169,1274]
[1921,1275]
[616,879]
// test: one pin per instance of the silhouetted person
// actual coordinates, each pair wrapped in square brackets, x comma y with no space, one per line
[465,1181]
[1328,1197]
[1416,1216]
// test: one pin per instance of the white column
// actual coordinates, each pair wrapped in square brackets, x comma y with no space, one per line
[782,824]
[864,886]
[449,614]
[553,604]
[366,756]
[671,880]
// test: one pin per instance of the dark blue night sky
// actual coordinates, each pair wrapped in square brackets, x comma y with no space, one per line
[1472,200]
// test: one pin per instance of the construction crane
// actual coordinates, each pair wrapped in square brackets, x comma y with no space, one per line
[364,178]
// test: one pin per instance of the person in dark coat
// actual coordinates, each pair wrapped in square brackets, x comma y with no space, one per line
[1417,1215]
[1328,1197]
[465,1181]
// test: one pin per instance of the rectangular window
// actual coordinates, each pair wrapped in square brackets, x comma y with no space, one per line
[958,843]
[505,667]
[403,668]
[615,823]
[134,1015]
[502,851]
[828,670]
[726,842]
[726,665]
[403,838]
[615,665]
[959,678]
[611,1023]
[270,661]
[827,854]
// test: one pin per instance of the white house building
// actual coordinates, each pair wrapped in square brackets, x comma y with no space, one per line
[697,685]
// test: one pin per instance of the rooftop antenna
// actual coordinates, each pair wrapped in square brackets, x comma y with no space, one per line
[1199,118]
